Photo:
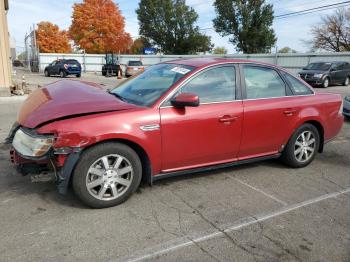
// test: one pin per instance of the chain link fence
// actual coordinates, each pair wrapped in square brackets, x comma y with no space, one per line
[30,55]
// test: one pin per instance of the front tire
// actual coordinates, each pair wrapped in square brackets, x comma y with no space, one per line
[302,147]
[78,75]
[62,74]
[107,175]
[46,72]
[325,83]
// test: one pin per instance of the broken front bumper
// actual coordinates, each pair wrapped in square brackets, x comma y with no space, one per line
[58,163]
[48,166]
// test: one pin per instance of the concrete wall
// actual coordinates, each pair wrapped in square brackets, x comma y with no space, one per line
[5,56]
[292,62]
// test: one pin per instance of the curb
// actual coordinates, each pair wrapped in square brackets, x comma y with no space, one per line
[7,99]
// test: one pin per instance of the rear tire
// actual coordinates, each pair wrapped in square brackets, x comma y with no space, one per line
[325,82]
[346,81]
[302,147]
[107,175]
[62,74]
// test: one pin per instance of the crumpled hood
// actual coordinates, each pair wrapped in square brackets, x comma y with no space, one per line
[67,98]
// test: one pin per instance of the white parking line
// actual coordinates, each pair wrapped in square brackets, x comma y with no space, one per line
[259,190]
[186,241]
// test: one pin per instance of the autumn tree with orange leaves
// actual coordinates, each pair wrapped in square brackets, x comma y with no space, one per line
[50,39]
[98,27]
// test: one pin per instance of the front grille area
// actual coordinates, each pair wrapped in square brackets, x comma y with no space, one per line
[306,76]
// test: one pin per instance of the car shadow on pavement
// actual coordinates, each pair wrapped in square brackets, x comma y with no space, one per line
[219,172]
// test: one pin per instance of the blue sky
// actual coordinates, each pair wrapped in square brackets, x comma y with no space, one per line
[290,32]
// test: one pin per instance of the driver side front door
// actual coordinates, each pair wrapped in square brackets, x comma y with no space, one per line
[208,134]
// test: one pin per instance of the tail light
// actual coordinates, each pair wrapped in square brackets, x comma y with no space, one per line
[65,66]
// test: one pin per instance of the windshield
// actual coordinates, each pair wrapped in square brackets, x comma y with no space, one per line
[318,66]
[147,87]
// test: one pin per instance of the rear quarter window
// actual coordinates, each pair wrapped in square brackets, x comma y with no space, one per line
[298,88]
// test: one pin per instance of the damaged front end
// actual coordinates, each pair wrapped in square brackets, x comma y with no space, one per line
[35,154]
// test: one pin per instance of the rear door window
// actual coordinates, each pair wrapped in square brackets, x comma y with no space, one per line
[263,82]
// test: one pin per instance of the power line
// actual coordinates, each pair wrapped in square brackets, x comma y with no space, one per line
[302,12]
[312,9]
[293,5]
[310,12]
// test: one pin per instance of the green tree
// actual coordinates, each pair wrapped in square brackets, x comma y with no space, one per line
[138,45]
[170,25]
[247,22]
[286,50]
[220,50]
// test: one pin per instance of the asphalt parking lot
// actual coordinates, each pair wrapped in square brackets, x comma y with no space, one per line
[257,212]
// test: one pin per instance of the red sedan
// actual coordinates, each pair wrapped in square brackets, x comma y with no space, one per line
[177,117]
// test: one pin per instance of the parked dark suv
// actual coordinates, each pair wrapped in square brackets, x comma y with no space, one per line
[63,68]
[325,74]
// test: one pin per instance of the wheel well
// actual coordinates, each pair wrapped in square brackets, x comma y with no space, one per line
[145,161]
[320,132]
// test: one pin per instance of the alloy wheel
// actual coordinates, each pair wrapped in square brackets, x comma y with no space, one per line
[109,177]
[305,146]
[326,82]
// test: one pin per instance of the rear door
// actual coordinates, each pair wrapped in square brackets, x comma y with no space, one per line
[207,134]
[270,111]
[337,73]
[343,72]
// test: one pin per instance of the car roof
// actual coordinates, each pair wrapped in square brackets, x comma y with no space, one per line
[207,61]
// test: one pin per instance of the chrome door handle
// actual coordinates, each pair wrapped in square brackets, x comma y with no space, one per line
[225,119]
[289,112]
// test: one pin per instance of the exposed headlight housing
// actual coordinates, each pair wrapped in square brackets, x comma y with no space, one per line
[31,145]
[318,75]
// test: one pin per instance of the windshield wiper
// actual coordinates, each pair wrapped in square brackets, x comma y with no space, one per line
[117,95]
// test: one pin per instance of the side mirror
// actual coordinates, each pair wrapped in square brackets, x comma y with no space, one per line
[333,69]
[185,99]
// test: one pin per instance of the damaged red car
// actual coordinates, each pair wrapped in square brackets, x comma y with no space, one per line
[174,118]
